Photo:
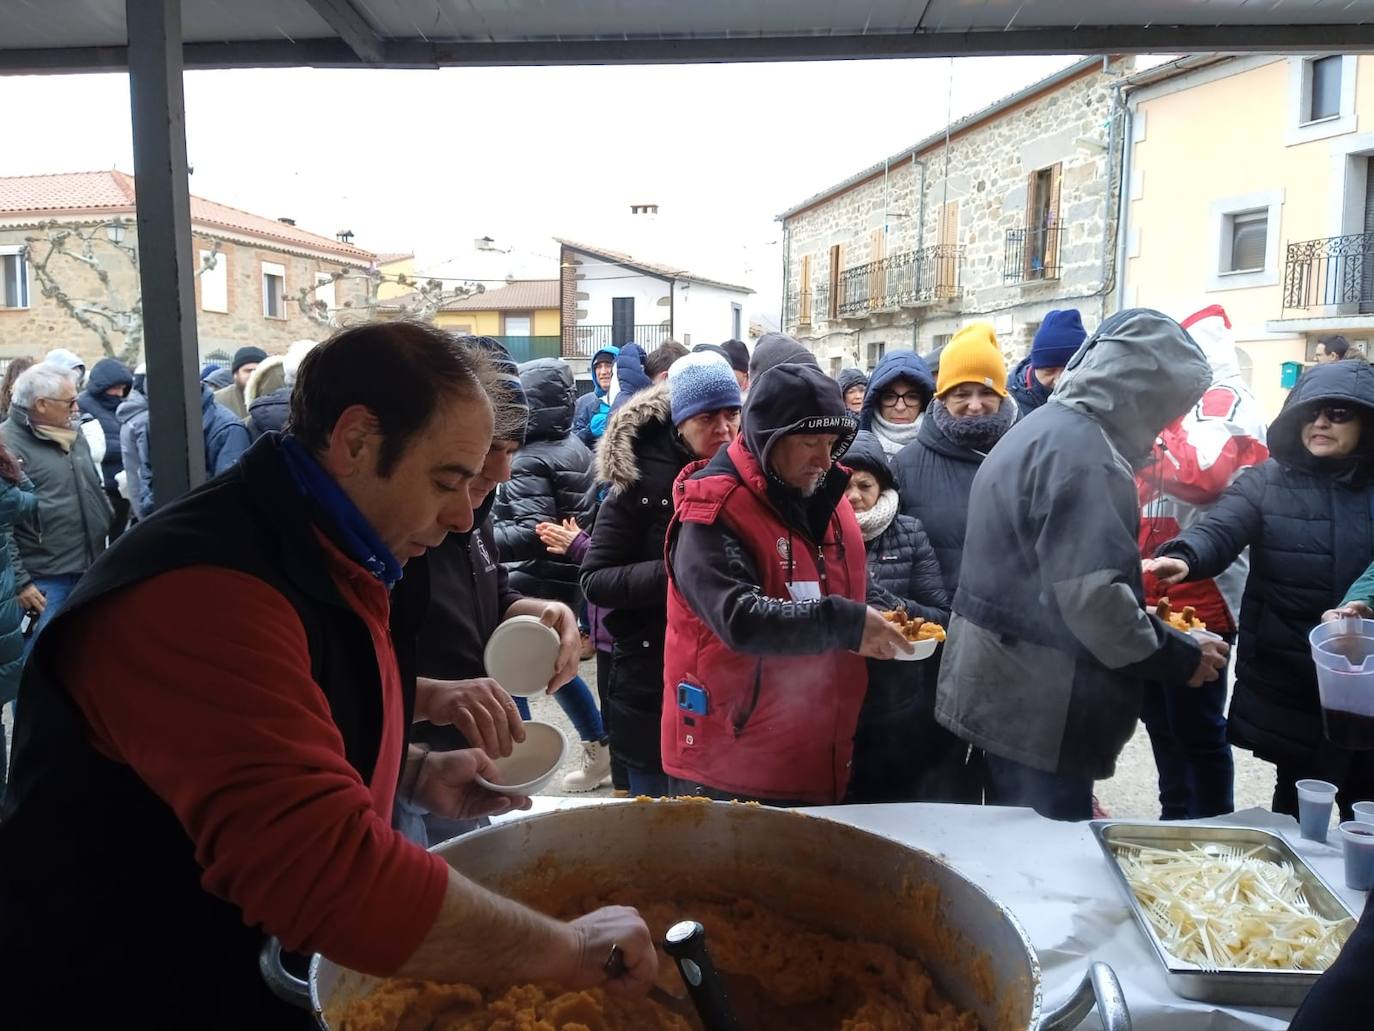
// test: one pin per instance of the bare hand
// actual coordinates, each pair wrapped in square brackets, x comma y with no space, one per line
[447,786]
[1168,571]
[31,599]
[595,933]
[1213,662]
[1354,608]
[882,640]
[557,539]
[481,709]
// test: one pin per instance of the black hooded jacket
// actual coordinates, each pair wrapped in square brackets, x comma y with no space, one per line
[551,480]
[1309,525]
[269,413]
[102,407]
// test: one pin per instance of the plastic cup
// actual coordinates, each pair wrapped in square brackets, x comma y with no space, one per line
[1315,799]
[1357,842]
[1364,812]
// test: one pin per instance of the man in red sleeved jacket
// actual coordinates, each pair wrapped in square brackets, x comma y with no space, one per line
[233,774]
[1195,459]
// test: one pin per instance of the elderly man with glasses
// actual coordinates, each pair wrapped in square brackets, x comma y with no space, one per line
[73,518]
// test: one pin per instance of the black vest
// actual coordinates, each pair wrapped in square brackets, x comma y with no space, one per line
[102,915]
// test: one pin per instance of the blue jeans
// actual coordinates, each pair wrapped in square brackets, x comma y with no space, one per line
[654,785]
[1187,727]
[576,701]
[1058,796]
[55,590]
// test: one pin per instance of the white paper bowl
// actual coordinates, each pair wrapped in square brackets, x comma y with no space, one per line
[532,763]
[522,655]
[920,650]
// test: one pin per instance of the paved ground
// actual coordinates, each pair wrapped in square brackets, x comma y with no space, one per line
[1132,793]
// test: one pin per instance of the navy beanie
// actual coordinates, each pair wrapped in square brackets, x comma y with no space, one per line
[247,356]
[514,421]
[701,382]
[1059,337]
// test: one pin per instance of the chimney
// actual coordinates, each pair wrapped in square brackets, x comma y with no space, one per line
[344,235]
[642,231]
[287,221]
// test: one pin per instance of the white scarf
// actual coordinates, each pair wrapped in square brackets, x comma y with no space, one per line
[878,518]
[894,436]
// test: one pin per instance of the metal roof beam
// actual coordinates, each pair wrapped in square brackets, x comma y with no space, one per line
[411,53]
[352,28]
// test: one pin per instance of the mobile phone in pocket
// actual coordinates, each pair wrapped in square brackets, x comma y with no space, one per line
[691,698]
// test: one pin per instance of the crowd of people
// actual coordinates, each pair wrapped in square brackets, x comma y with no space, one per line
[734,535]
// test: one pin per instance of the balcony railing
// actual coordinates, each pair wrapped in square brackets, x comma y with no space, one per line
[583,341]
[524,349]
[912,279]
[1335,274]
[1031,255]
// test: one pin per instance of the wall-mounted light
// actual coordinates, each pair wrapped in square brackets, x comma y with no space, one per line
[115,231]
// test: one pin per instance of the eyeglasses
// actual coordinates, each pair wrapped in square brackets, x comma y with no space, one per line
[1333,414]
[890,399]
[69,402]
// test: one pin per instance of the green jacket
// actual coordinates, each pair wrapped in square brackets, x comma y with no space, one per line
[1362,589]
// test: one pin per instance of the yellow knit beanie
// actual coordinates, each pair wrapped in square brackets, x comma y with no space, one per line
[973,356]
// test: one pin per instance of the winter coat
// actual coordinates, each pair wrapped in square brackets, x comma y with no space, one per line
[1194,460]
[551,479]
[1049,644]
[268,413]
[133,447]
[17,504]
[594,408]
[1027,391]
[935,477]
[226,438]
[232,398]
[1309,525]
[629,377]
[640,457]
[103,407]
[69,529]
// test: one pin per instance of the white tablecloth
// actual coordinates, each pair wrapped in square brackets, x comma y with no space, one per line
[1055,879]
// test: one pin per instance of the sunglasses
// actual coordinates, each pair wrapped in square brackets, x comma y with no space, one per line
[1334,414]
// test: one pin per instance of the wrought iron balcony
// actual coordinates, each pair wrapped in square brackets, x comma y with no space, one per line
[1031,254]
[583,340]
[912,279]
[1335,274]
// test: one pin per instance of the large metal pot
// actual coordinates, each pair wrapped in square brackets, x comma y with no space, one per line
[848,881]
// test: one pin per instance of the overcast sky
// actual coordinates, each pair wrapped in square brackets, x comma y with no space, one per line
[427,161]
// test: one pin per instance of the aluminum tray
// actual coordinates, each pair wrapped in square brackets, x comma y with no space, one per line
[1227,985]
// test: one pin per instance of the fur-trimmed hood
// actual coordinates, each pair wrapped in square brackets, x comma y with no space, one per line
[645,422]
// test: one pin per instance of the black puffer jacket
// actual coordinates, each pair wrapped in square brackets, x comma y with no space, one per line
[93,401]
[935,477]
[640,456]
[1309,524]
[551,480]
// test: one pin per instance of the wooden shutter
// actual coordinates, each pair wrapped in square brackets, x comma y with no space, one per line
[1052,223]
[833,302]
[804,309]
[1029,226]
[947,262]
[877,278]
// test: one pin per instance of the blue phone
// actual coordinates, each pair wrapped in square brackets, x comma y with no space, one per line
[691,698]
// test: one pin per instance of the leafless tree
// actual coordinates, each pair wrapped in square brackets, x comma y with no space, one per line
[422,303]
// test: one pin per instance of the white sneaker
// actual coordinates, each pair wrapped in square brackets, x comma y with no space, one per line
[596,769]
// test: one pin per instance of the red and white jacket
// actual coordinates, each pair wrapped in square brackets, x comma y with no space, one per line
[1195,459]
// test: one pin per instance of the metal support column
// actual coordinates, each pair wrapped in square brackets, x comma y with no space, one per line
[176,442]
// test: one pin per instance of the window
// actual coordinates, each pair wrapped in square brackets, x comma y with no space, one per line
[622,320]
[1324,88]
[214,281]
[14,278]
[1249,236]
[517,325]
[736,322]
[1040,246]
[325,290]
[1245,241]
[273,290]
[876,352]
[835,367]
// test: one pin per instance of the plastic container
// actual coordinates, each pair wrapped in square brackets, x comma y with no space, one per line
[1364,812]
[1343,651]
[531,764]
[522,655]
[1357,842]
[1315,799]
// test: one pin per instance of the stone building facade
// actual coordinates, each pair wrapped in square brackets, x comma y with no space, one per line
[1008,214]
[251,295]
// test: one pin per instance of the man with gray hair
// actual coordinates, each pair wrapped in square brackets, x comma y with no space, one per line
[73,512]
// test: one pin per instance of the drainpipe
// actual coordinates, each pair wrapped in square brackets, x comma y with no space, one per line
[1124,207]
[920,233]
[786,273]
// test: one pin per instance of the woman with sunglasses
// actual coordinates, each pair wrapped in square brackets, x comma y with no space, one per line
[1307,516]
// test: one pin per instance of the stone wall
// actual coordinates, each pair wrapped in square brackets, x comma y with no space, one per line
[45,325]
[984,175]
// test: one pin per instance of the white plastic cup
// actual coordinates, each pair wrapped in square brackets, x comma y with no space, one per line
[1315,799]
[1357,843]
[1364,812]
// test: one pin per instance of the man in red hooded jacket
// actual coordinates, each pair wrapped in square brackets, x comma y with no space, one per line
[767,626]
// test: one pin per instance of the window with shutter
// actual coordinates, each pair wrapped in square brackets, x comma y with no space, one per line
[1249,240]
[804,308]
[1324,92]
[14,278]
[833,307]
[947,262]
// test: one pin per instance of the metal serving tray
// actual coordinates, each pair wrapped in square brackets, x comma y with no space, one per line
[1228,984]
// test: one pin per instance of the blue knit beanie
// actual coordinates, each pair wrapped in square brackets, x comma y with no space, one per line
[701,382]
[1059,337]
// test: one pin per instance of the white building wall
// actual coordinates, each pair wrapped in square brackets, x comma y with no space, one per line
[702,313]
[599,282]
